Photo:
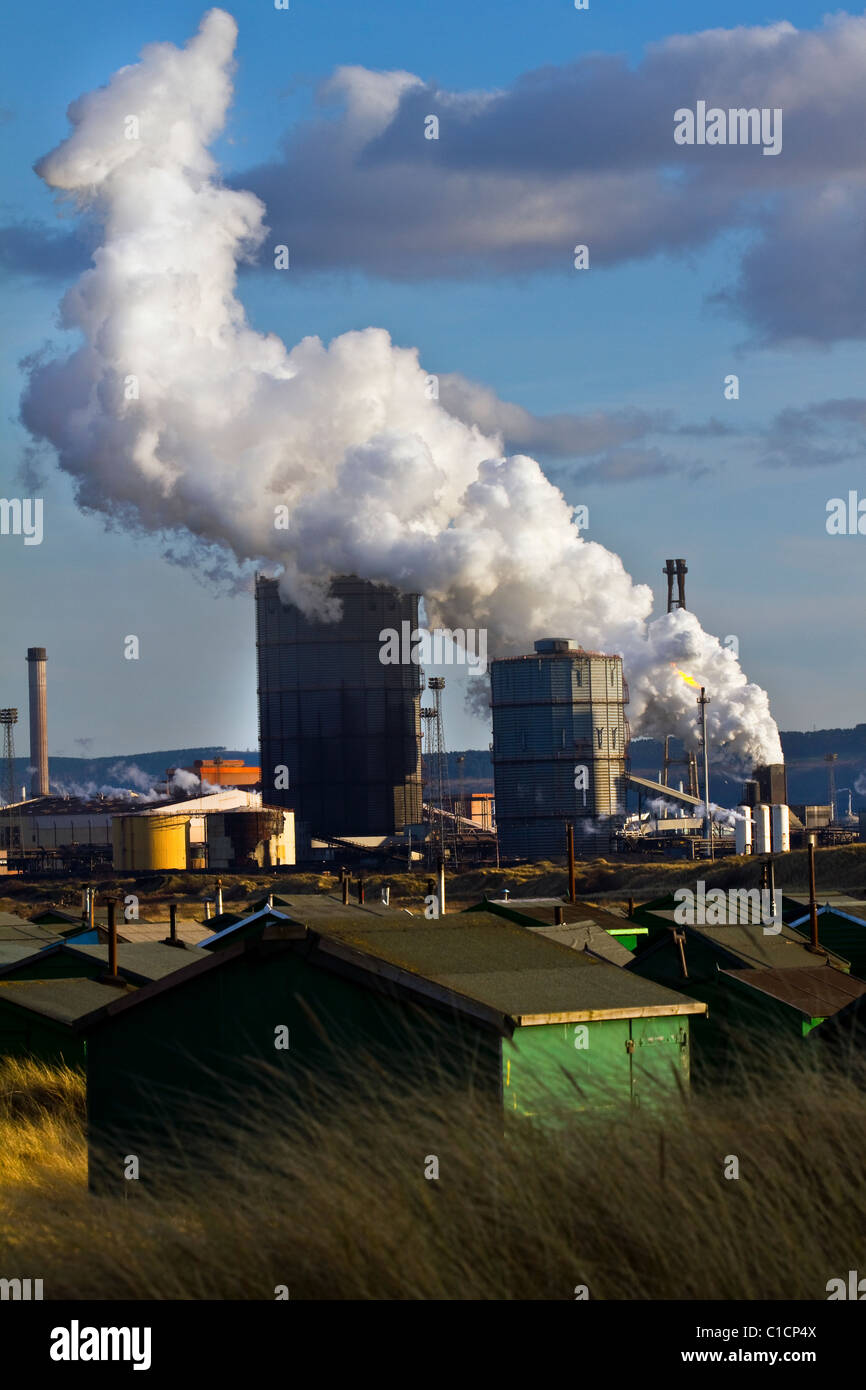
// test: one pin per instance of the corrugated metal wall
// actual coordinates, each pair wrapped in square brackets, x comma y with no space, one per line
[551,715]
[347,727]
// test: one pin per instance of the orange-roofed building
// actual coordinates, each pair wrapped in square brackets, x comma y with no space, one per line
[226,772]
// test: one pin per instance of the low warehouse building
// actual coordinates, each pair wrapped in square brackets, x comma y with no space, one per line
[228,829]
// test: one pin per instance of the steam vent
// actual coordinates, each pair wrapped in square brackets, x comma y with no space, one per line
[346,726]
[560,738]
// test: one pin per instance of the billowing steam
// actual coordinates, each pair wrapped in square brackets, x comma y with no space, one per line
[175,416]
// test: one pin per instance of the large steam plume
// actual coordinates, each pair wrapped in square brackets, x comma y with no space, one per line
[227,423]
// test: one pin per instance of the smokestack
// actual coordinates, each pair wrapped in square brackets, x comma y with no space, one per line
[36,659]
[676,571]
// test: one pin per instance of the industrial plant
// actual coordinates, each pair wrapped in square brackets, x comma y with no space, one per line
[354,767]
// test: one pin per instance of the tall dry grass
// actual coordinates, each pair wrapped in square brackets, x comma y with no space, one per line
[333,1202]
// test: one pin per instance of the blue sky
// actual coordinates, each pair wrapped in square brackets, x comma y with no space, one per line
[638,334]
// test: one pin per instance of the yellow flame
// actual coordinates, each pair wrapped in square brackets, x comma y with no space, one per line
[690,680]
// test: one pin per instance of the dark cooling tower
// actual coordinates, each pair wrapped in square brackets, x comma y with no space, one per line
[345,725]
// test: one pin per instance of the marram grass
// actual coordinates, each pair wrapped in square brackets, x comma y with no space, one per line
[333,1203]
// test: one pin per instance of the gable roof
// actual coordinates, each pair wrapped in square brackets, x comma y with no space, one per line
[243,928]
[661,910]
[11,953]
[747,944]
[47,916]
[21,933]
[67,1001]
[11,919]
[542,912]
[495,972]
[841,903]
[832,910]
[816,992]
[519,973]
[586,936]
[305,910]
[139,962]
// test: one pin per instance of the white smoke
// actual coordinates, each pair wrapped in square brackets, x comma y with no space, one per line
[190,784]
[136,785]
[176,416]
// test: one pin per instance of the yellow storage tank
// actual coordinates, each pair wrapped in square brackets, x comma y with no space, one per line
[150,842]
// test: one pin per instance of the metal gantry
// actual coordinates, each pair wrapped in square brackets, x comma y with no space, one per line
[439,798]
[8,719]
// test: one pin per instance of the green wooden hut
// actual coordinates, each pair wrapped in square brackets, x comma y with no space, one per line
[841,928]
[497,1010]
[735,968]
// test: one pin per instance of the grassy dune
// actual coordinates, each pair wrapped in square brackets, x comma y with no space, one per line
[338,1207]
[842,869]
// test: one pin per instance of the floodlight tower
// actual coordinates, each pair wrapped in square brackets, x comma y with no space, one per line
[8,719]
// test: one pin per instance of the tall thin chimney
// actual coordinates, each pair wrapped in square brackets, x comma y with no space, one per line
[36,659]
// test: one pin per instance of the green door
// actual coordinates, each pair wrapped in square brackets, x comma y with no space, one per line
[659,1057]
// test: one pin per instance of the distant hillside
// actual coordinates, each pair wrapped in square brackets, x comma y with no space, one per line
[137,771]
[804,755]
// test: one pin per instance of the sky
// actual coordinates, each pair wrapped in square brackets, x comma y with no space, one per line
[736,265]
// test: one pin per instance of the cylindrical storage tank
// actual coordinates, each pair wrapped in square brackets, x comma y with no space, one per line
[763,841]
[743,830]
[150,842]
[781,829]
